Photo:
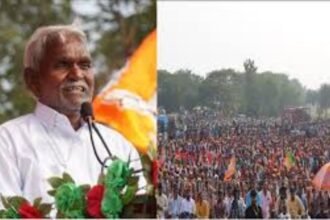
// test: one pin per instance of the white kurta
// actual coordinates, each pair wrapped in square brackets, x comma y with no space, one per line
[266,200]
[43,144]
[188,206]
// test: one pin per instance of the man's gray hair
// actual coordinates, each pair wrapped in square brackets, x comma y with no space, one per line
[37,44]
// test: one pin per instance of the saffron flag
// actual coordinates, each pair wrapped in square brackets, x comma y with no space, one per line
[231,170]
[128,102]
[322,178]
[289,160]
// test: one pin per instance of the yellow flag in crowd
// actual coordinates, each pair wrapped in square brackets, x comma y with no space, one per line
[231,170]
[128,102]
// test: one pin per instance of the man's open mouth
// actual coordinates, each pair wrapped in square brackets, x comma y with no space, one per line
[75,89]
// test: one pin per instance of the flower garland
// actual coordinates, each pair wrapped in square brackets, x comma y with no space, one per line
[115,190]
[19,207]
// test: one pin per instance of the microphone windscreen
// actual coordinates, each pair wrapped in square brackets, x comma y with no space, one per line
[86,110]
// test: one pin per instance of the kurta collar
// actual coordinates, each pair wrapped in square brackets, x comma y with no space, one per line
[53,119]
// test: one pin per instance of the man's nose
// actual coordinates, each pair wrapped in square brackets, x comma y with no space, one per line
[76,72]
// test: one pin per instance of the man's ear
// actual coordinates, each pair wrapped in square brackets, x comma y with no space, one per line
[31,79]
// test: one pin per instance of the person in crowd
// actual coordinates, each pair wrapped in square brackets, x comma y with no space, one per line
[295,205]
[199,159]
[188,207]
[254,210]
[248,198]
[162,203]
[237,206]
[283,212]
[174,205]
[265,200]
[322,213]
[202,207]
[220,206]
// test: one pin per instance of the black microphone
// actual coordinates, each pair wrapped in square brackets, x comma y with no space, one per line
[86,112]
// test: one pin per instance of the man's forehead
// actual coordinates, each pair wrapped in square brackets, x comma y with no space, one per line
[68,46]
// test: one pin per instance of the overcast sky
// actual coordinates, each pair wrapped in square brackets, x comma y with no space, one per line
[286,37]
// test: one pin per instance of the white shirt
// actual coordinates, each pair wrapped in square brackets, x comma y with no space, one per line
[241,205]
[265,203]
[188,206]
[227,204]
[43,144]
[284,216]
[174,206]
[162,203]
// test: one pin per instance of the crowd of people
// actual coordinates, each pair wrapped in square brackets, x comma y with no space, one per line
[195,155]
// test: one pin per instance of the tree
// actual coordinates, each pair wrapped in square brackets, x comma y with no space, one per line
[324,98]
[291,93]
[249,67]
[250,105]
[221,89]
[178,89]
[268,94]
[165,93]
[311,97]
[225,90]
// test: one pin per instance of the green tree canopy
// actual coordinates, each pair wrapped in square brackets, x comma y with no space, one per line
[231,92]
[178,89]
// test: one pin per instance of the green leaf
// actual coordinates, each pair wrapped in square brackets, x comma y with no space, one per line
[67,178]
[51,192]
[11,213]
[5,202]
[77,205]
[129,194]
[133,180]
[36,202]
[16,201]
[2,213]
[55,182]
[85,188]
[45,209]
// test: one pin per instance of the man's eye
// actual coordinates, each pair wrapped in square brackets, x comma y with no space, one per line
[62,64]
[85,65]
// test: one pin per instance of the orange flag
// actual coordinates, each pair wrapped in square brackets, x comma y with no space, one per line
[128,103]
[231,170]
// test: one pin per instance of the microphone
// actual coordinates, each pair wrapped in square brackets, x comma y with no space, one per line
[86,113]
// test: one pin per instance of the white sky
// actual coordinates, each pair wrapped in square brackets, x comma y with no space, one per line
[286,37]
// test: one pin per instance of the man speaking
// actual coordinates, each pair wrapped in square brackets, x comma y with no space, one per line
[58,72]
